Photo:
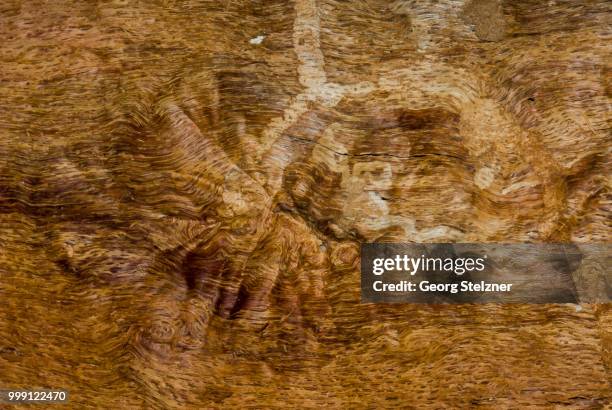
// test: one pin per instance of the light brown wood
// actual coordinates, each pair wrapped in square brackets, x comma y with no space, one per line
[184,186]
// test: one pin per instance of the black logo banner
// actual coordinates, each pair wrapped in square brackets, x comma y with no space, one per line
[485,273]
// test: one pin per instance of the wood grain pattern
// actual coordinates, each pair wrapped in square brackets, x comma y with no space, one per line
[184,186]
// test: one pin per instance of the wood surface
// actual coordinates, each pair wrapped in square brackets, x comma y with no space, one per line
[184,186]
